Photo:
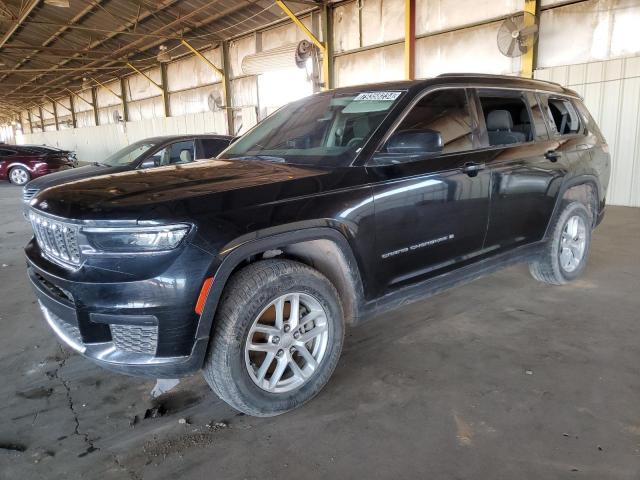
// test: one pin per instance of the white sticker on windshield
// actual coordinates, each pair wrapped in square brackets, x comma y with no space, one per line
[377,96]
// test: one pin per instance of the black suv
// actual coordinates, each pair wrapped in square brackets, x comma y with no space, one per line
[336,207]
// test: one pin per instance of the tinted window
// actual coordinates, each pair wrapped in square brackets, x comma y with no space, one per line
[507,118]
[562,116]
[445,112]
[181,152]
[328,128]
[6,153]
[210,147]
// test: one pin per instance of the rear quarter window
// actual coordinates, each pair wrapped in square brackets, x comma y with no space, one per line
[562,116]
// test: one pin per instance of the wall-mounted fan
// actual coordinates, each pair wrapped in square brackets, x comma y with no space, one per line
[116,117]
[517,34]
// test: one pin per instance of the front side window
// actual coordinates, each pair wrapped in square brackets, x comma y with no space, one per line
[181,152]
[562,116]
[326,129]
[507,118]
[440,123]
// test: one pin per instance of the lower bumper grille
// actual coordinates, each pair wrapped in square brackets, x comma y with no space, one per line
[134,338]
[69,334]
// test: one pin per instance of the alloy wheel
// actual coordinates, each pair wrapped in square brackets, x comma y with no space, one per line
[287,342]
[19,176]
[573,243]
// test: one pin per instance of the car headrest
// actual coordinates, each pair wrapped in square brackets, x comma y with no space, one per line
[185,156]
[499,120]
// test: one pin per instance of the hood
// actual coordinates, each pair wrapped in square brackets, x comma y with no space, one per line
[138,190]
[72,174]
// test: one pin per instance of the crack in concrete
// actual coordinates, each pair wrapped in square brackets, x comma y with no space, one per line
[76,431]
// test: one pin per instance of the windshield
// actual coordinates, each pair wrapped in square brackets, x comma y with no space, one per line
[326,129]
[129,154]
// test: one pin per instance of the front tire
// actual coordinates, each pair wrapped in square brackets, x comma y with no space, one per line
[19,176]
[277,337]
[564,256]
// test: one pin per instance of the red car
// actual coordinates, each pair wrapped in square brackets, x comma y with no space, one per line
[21,163]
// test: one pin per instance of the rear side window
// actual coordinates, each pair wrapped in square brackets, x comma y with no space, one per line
[6,153]
[562,116]
[210,147]
[507,118]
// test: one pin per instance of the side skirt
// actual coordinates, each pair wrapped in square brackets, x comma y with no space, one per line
[445,281]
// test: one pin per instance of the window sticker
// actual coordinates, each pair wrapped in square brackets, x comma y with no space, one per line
[377,96]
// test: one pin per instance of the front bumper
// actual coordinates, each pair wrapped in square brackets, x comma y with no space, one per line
[118,326]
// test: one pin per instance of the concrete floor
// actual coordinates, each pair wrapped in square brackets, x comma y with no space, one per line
[501,378]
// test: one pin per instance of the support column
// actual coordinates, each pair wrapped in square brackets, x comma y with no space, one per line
[41,119]
[72,104]
[226,87]
[94,104]
[165,90]
[123,96]
[409,39]
[55,115]
[529,58]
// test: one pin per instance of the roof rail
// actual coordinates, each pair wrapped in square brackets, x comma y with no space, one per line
[491,75]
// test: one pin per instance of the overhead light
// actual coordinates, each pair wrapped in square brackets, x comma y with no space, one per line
[57,3]
[86,83]
[163,54]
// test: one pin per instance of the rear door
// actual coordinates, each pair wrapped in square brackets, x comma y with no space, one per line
[524,175]
[431,209]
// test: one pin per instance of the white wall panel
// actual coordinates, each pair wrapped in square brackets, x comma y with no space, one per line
[288,33]
[96,143]
[469,50]
[438,15]
[346,27]
[105,97]
[192,72]
[611,91]
[238,49]
[589,31]
[82,106]
[194,100]
[377,65]
[138,87]
[146,109]
[382,21]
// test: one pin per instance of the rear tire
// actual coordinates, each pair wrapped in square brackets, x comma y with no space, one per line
[257,361]
[19,176]
[564,255]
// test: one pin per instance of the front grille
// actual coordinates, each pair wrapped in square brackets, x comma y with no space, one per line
[28,193]
[134,338]
[57,239]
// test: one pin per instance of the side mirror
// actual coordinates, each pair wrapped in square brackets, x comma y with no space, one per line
[148,163]
[415,142]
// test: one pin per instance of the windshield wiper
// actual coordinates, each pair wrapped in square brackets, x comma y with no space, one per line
[266,158]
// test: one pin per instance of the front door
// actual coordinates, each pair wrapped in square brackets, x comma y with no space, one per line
[431,200]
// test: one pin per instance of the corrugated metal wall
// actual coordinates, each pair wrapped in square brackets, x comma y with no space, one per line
[611,90]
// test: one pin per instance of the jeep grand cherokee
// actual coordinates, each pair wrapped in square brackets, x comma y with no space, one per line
[336,207]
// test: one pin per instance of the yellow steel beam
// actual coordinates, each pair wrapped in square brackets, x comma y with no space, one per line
[202,57]
[322,46]
[159,87]
[104,86]
[61,104]
[528,58]
[409,39]
[76,95]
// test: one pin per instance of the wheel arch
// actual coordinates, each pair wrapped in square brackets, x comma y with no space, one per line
[582,188]
[322,248]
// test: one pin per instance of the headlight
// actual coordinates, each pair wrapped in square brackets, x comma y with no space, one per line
[136,239]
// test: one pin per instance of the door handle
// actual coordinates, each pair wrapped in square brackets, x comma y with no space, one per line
[552,155]
[472,168]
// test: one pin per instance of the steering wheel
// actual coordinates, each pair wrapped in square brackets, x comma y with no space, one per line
[354,142]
